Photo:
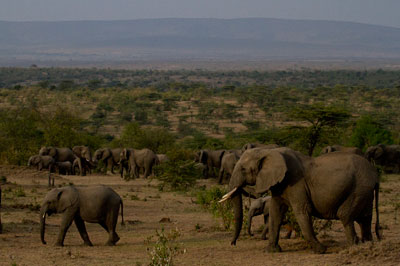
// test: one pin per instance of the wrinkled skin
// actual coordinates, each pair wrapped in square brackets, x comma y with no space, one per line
[139,159]
[228,162]
[335,148]
[387,156]
[260,206]
[93,204]
[210,159]
[84,154]
[109,157]
[310,186]
[64,168]
[58,154]
[249,146]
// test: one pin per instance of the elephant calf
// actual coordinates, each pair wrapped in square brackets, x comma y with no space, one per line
[261,206]
[93,204]
[41,162]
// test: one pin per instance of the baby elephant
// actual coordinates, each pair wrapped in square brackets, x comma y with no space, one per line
[41,162]
[261,206]
[93,204]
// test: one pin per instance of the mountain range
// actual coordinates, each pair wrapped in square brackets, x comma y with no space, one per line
[197,39]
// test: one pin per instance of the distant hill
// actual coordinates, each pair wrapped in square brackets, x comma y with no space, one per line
[197,39]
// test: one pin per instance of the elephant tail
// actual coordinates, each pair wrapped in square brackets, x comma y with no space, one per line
[377,227]
[122,212]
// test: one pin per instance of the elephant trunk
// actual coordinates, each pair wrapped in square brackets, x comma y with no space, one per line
[238,211]
[43,213]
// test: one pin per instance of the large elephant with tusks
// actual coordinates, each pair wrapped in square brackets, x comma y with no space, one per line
[332,186]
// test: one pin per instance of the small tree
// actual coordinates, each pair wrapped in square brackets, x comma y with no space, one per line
[320,121]
[369,132]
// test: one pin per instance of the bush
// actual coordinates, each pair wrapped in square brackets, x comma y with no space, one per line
[208,199]
[369,132]
[180,173]
[164,250]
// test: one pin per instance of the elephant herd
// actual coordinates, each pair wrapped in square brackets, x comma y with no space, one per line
[79,160]
[340,184]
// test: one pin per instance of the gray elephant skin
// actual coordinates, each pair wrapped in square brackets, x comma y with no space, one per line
[59,154]
[335,148]
[41,162]
[228,162]
[162,158]
[310,186]
[211,159]
[110,157]
[87,166]
[139,159]
[84,156]
[260,206]
[64,168]
[387,156]
[249,146]
[93,204]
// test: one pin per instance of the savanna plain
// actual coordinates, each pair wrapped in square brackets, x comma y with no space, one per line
[178,113]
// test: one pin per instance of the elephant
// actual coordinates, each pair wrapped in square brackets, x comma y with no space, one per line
[249,146]
[41,162]
[93,204]
[162,158]
[87,166]
[336,185]
[210,159]
[387,156]
[64,168]
[334,148]
[110,157]
[139,159]
[261,206]
[58,154]
[84,155]
[227,164]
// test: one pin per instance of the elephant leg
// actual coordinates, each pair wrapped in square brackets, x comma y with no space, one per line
[221,176]
[109,226]
[350,232]
[80,224]
[276,211]
[80,167]
[305,223]
[251,214]
[66,222]
[365,226]
[265,230]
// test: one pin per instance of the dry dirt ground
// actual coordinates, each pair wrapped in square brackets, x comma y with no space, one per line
[201,236]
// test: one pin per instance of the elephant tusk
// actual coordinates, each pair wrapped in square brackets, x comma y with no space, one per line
[228,195]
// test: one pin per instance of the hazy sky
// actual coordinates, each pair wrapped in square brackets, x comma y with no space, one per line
[383,12]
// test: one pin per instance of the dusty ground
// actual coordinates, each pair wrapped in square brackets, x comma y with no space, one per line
[145,206]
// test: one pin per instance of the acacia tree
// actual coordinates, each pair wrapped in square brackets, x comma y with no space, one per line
[316,122]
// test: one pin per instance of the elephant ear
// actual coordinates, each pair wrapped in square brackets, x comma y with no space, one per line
[66,198]
[272,170]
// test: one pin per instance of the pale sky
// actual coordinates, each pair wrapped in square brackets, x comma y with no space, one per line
[381,12]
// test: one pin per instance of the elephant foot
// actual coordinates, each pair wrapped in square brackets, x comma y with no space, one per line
[274,248]
[263,238]
[233,242]
[58,244]
[89,244]
[319,248]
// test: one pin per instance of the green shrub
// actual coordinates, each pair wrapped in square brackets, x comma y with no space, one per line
[165,249]
[208,199]
[180,173]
